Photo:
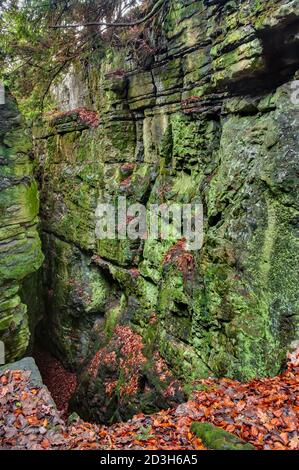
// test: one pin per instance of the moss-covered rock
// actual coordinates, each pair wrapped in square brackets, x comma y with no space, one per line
[77,295]
[208,120]
[218,439]
[124,377]
[20,247]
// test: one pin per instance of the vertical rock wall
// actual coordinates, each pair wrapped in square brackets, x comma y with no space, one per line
[208,117]
[20,247]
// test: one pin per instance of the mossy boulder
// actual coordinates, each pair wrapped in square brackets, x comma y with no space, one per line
[77,295]
[218,439]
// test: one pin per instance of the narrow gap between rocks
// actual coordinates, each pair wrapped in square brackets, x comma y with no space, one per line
[60,382]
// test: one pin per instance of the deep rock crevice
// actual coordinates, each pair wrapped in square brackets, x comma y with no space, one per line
[211,120]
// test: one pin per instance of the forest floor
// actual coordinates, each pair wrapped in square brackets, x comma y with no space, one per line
[263,412]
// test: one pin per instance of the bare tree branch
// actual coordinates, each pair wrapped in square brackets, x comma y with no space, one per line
[153,11]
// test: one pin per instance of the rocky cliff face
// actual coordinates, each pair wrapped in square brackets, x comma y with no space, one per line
[20,247]
[203,113]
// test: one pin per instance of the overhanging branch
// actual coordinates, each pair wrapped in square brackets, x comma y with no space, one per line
[153,11]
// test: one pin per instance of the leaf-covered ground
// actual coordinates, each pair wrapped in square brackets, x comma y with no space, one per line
[61,383]
[262,412]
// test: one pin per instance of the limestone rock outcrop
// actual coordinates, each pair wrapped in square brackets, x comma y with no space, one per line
[20,246]
[205,113]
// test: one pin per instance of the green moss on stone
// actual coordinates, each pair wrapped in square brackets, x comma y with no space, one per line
[218,439]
